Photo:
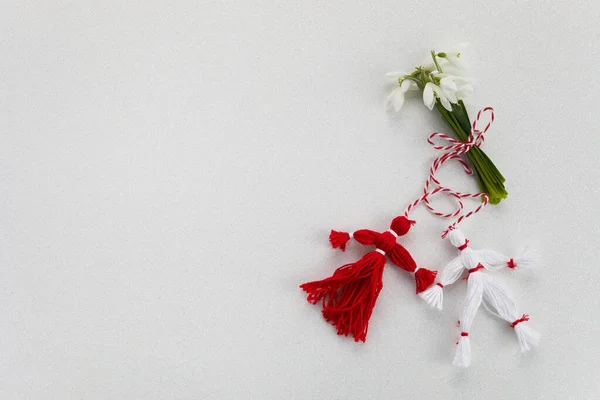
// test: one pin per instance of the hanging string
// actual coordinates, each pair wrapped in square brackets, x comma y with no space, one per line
[453,151]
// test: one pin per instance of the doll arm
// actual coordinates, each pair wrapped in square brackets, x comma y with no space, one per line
[495,261]
[434,295]
[339,239]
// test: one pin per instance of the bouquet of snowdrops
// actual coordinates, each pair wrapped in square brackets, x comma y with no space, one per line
[442,80]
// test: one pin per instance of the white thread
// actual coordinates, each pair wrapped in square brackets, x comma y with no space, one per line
[380,251]
[351,235]
[416,269]
[482,288]
[393,233]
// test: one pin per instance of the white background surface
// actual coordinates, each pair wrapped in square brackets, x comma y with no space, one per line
[170,172]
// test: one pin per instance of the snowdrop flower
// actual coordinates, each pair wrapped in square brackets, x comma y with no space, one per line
[454,57]
[454,60]
[455,86]
[448,83]
[429,95]
[446,102]
[396,99]
[464,91]
[441,77]
[431,92]
[396,74]
[428,64]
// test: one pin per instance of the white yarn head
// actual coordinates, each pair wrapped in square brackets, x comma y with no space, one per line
[457,238]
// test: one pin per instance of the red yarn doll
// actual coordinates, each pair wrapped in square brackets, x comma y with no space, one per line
[349,295]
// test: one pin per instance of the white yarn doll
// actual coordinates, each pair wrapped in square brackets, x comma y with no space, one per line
[481,287]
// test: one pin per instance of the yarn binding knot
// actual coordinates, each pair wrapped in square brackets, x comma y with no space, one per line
[523,318]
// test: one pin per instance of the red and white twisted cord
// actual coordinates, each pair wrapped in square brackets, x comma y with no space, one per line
[454,151]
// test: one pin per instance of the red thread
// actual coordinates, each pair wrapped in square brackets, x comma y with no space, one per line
[440,285]
[523,318]
[511,263]
[454,151]
[464,246]
[339,239]
[464,334]
[477,268]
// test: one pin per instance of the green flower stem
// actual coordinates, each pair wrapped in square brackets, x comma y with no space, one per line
[435,61]
[489,178]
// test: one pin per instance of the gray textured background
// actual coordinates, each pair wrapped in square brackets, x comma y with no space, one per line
[170,170]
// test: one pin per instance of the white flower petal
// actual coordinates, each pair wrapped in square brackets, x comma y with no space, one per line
[395,100]
[463,79]
[457,51]
[448,84]
[441,61]
[390,98]
[437,91]
[428,64]
[464,91]
[395,74]
[406,85]
[428,97]
[398,101]
[446,103]
[449,95]
[466,86]
[457,63]
[455,72]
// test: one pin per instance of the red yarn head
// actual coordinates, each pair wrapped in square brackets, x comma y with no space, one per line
[401,225]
